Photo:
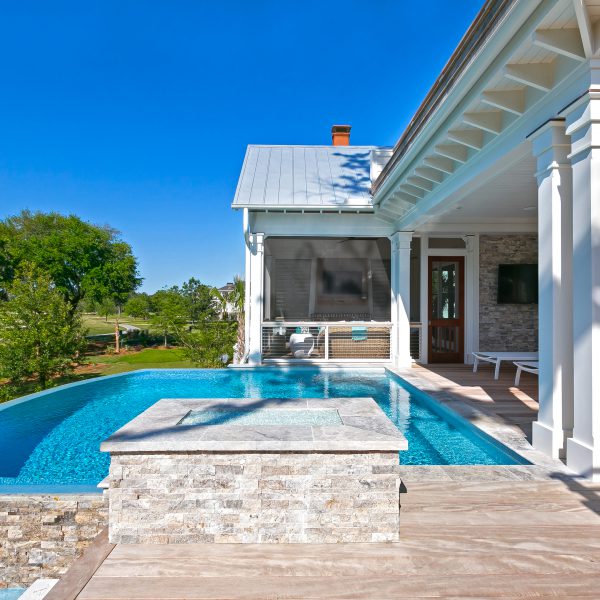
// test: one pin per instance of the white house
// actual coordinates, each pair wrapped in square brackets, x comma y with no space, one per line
[426,250]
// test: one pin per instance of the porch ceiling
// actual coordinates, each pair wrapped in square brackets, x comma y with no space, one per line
[506,194]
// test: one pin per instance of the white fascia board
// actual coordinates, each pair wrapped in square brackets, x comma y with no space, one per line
[459,229]
[351,208]
[311,224]
[518,27]
[503,145]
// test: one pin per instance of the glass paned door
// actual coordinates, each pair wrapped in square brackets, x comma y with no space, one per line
[446,309]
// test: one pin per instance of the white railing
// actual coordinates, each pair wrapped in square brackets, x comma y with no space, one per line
[326,341]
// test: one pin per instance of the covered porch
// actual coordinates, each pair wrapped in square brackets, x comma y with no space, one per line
[505,155]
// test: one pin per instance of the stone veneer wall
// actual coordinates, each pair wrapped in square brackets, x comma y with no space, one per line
[40,536]
[254,498]
[505,327]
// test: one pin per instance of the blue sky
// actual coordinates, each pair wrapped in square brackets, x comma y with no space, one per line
[137,113]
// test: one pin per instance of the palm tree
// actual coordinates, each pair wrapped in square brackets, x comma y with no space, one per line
[233,304]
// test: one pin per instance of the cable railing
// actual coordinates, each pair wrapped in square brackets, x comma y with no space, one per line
[326,341]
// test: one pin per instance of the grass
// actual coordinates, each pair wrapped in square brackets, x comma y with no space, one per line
[98,325]
[150,358]
[109,364]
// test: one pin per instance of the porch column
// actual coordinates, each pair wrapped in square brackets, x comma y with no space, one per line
[551,147]
[255,315]
[583,125]
[400,272]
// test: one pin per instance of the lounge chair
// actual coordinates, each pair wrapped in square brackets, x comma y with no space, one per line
[532,366]
[496,359]
[302,345]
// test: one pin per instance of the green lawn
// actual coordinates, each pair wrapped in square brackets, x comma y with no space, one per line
[150,358]
[97,325]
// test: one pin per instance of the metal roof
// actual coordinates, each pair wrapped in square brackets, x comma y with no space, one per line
[307,177]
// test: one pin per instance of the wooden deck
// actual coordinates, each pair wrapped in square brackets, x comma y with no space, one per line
[516,406]
[459,539]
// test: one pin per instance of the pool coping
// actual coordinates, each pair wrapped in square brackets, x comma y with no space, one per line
[541,467]
[363,427]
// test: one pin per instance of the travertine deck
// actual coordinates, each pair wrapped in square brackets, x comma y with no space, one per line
[490,537]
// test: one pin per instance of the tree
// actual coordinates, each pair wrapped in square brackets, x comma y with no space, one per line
[199,299]
[170,312]
[38,334]
[81,259]
[138,306]
[235,301]
[211,345]
[105,308]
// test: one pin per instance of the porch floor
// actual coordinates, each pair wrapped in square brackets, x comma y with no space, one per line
[474,538]
[517,406]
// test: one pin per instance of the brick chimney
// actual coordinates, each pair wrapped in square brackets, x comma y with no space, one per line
[340,135]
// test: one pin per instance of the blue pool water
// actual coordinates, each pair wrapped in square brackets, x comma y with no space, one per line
[53,438]
[11,593]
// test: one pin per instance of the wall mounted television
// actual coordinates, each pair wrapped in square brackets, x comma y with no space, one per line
[517,284]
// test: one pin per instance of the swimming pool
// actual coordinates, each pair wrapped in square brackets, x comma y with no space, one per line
[52,439]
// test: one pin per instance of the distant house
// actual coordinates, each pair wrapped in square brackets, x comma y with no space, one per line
[225,291]
[425,251]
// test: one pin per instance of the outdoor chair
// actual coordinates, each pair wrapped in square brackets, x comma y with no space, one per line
[496,359]
[532,366]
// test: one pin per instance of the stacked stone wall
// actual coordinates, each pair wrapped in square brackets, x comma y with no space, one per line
[254,498]
[41,536]
[505,327]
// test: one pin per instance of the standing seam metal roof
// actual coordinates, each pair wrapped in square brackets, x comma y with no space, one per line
[305,176]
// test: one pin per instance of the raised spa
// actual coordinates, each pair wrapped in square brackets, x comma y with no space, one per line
[256,471]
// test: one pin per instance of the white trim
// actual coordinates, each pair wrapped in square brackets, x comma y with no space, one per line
[424,293]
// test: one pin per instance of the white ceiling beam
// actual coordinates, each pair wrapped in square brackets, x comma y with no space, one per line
[412,190]
[419,182]
[433,175]
[404,199]
[512,101]
[441,163]
[566,42]
[536,75]
[490,120]
[453,151]
[389,212]
[472,138]
[386,215]
[588,37]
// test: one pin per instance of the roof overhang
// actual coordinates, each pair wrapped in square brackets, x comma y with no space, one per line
[518,66]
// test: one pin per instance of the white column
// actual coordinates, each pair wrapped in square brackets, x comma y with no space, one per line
[400,269]
[551,147]
[255,315]
[471,307]
[583,125]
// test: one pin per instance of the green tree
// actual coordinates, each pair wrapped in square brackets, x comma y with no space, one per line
[105,308]
[39,337]
[211,345]
[170,312]
[199,299]
[138,306]
[234,302]
[81,259]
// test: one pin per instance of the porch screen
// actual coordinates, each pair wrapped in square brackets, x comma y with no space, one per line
[327,279]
